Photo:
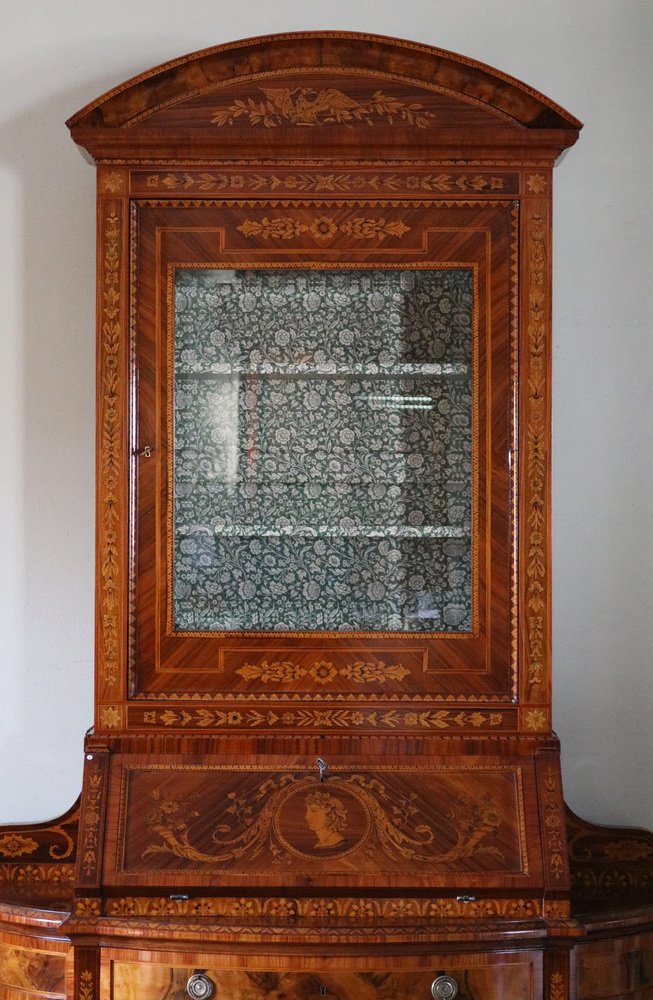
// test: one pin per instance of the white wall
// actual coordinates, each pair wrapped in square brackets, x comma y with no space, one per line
[593,57]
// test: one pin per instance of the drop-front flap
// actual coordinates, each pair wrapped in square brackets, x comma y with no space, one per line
[218,825]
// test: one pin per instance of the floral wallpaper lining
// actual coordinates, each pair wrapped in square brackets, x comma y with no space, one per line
[322,450]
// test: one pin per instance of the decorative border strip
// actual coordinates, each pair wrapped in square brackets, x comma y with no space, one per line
[322,908]
[288,932]
[89,857]
[337,718]
[32,876]
[554,829]
[320,182]
[362,201]
[110,391]
[514,444]
[536,456]
[234,696]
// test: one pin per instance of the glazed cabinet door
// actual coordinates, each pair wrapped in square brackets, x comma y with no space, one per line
[324,442]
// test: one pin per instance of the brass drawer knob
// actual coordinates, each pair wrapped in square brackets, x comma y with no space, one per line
[444,988]
[200,987]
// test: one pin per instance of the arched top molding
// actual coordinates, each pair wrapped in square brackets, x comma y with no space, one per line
[339,84]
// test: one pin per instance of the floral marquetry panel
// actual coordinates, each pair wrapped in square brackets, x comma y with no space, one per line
[323,450]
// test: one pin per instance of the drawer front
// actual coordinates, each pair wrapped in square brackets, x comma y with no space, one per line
[28,972]
[486,977]
[616,968]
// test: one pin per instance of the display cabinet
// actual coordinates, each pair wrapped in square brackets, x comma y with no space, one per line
[322,763]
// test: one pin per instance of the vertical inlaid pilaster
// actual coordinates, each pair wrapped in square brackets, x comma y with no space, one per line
[112,448]
[535,477]
[87,974]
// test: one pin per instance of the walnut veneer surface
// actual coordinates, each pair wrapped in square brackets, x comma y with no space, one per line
[350,789]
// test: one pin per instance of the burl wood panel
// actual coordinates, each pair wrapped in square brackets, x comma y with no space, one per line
[31,972]
[35,956]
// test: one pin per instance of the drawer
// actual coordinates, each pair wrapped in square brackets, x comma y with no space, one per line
[477,977]
[618,969]
[28,972]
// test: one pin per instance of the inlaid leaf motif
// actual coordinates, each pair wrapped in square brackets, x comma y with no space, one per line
[330,106]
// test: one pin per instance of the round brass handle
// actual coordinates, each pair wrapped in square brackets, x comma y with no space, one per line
[200,987]
[444,988]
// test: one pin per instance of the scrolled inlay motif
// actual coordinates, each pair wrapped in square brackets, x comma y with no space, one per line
[340,818]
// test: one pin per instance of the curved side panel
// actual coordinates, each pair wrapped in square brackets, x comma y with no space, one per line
[37,861]
[611,866]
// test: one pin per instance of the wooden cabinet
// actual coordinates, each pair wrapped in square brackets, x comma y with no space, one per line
[322,760]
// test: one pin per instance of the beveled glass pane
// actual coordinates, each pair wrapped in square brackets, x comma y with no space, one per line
[322,473]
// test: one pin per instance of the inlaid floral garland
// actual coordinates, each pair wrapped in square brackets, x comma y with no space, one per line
[306,106]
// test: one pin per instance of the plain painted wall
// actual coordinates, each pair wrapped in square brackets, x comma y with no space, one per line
[591,56]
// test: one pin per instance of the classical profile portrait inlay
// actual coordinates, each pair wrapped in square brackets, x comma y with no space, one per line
[322,823]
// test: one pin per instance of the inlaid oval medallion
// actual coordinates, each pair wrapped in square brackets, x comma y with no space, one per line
[323,822]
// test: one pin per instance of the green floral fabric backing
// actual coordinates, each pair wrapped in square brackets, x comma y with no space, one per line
[323,450]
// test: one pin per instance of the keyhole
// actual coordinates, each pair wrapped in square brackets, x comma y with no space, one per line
[323,991]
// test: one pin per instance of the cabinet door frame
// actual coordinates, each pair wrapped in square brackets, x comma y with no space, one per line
[476,666]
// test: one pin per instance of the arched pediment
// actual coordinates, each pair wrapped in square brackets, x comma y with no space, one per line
[222,100]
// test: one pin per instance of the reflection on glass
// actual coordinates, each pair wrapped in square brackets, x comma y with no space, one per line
[322,450]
